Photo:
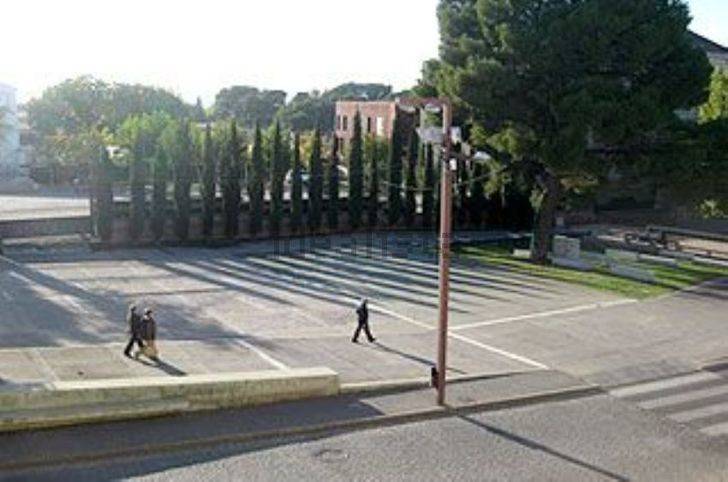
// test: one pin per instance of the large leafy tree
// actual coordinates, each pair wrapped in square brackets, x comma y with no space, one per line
[248,104]
[296,187]
[557,86]
[256,185]
[66,115]
[309,110]
[316,184]
[208,187]
[717,105]
[356,175]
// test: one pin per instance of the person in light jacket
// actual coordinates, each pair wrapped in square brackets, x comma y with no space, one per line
[149,335]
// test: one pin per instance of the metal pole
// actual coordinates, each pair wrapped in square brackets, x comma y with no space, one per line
[445,236]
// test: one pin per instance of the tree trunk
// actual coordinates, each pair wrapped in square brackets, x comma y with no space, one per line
[543,227]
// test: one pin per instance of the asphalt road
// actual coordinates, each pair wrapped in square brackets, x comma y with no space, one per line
[592,439]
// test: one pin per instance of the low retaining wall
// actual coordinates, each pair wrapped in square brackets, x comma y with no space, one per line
[69,403]
[29,228]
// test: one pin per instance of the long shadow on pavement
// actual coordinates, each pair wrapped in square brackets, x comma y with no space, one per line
[533,445]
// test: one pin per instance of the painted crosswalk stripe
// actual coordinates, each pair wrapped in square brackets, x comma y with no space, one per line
[690,396]
[650,387]
[702,412]
[718,429]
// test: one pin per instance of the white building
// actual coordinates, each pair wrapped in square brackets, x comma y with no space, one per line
[10,151]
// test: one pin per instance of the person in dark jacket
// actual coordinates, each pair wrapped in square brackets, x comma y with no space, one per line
[149,335]
[134,320]
[362,313]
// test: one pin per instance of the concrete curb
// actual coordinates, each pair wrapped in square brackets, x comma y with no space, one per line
[404,384]
[70,403]
[433,413]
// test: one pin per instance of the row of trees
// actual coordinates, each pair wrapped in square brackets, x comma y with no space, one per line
[71,118]
[219,161]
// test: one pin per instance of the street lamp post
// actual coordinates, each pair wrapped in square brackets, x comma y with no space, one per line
[445,238]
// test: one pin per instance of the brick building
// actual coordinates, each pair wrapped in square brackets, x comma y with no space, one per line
[377,118]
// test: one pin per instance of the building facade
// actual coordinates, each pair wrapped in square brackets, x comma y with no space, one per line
[717,54]
[377,118]
[10,148]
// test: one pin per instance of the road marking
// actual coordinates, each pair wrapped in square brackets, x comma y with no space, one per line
[545,314]
[211,311]
[699,413]
[464,339]
[713,430]
[663,384]
[684,397]
[276,363]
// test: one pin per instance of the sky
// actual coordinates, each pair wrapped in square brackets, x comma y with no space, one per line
[195,48]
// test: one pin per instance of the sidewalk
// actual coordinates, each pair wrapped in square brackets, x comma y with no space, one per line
[196,431]
[106,361]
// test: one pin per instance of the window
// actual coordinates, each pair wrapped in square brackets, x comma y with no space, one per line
[346,123]
[338,122]
[369,125]
[380,126]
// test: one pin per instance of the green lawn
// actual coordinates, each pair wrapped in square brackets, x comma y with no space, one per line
[668,278]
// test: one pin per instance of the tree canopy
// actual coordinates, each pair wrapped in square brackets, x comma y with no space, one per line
[248,105]
[556,85]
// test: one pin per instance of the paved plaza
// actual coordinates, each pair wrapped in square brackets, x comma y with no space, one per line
[259,306]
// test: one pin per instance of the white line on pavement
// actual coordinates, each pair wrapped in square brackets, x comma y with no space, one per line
[504,353]
[545,314]
[699,413]
[467,340]
[663,384]
[684,397]
[718,429]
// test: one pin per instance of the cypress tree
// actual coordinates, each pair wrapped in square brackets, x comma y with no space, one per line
[428,191]
[296,188]
[477,193]
[183,182]
[105,197]
[137,182]
[208,183]
[356,175]
[394,199]
[410,205]
[256,188]
[230,172]
[315,192]
[463,206]
[277,171]
[160,174]
[333,187]
[373,200]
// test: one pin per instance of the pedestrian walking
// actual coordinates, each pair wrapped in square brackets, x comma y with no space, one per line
[134,321]
[362,314]
[149,335]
